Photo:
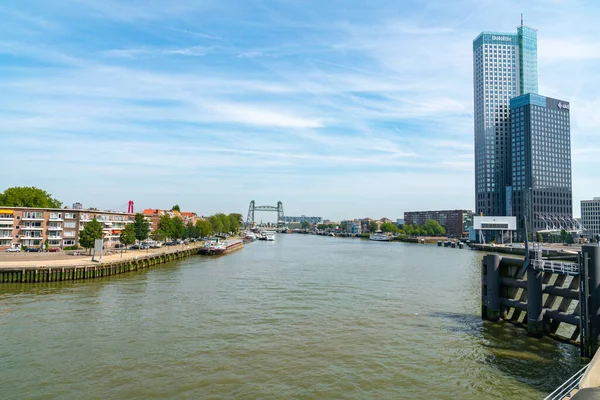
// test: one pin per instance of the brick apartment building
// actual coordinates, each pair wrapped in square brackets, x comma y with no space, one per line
[456,222]
[21,226]
[153,215]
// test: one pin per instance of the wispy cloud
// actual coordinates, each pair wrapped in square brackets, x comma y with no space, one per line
[218,103]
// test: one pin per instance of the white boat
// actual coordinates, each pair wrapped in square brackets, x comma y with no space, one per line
[379,236]
[270,236]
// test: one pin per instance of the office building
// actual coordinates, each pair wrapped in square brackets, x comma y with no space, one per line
[504,66]
[456,222]
[590,216]
[540,161]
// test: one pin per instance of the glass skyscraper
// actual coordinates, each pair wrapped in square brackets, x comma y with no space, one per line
[504,66]
[541,161]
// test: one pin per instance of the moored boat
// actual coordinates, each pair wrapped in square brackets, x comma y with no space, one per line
[379,236]
[217,247]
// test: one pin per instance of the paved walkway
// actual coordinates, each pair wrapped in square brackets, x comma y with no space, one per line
[36,260]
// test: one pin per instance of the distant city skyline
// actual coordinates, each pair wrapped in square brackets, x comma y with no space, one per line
[339,109]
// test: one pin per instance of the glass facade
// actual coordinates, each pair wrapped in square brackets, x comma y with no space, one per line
[498,60]
[540,160]
[528,67]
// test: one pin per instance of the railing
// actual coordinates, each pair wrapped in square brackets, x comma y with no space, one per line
[565,390]
[557,267]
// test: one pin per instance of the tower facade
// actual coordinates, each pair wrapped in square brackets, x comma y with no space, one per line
[541,162]
[504,66]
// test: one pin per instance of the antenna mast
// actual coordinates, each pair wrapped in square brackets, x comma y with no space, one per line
[521,19]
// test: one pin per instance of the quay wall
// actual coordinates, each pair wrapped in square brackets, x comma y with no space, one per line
[90,271]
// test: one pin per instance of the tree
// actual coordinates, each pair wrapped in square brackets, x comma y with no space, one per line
[28,196]
[373,226]
[235,221]
[432,228]
[141,227]
[178,228]
[89,234]
[304,224]
[540,238]
[570,239]
[189,231]
[157,235]
[388,227]
[128,235]
[563,236]
[166,226]
[176,208]
[216,224]
[224,222]
[204,228]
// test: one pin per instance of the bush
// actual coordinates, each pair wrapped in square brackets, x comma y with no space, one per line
[74,247]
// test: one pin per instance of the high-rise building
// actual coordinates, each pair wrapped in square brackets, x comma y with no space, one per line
[504,66]
[590,216]
[540,162]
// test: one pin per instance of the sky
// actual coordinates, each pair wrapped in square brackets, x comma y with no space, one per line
[341,108]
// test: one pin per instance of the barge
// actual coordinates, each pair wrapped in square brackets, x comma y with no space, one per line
[218,247]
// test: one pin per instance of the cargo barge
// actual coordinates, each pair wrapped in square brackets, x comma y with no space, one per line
[218,247]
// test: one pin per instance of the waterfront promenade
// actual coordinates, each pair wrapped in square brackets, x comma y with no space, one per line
[40,260]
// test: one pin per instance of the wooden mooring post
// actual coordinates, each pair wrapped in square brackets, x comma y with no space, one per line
[548,295]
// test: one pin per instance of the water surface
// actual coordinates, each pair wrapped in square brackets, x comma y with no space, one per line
[305,317]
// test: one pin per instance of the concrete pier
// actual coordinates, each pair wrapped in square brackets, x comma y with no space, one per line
[55,273]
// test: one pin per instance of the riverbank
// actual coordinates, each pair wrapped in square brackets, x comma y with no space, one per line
[49,267]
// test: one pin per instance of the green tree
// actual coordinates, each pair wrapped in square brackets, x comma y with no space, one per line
[91,232]
[216,224]
[28,196]
[141,227]
[178,228]
[224,222]
[189,231]
[570,239]
[157,235]
[128,235]
[304,224]
[176,208]
[166,226]
[204,228]
[540,238]
[432,228]
[388,227]
[235,221]
[373,226]
[563,236]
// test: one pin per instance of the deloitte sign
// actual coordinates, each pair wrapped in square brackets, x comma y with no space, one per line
[501,38]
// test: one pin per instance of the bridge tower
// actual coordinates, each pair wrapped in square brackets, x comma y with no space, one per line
[253,207]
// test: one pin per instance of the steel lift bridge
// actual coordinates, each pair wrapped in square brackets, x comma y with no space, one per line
[253,207]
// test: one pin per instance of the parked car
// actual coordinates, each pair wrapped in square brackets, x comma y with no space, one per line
[134,247]
[32,250]
[13,250]
[53,249]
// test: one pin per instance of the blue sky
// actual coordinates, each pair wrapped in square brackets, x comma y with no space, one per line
[340,109]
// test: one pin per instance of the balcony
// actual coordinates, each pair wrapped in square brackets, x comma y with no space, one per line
[57,219]
[33,217]
[5,237]
[55,228]
[6,217]
[31,228]
[54,237]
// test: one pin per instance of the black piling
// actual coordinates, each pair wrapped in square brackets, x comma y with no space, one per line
[535,312]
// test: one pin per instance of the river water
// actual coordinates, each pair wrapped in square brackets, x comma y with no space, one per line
[305,317]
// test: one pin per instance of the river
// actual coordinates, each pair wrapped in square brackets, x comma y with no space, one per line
[305,317]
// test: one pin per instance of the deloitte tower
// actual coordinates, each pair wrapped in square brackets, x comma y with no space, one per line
[504,66]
